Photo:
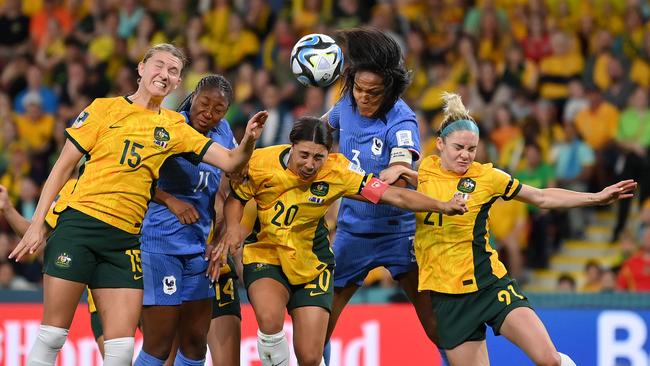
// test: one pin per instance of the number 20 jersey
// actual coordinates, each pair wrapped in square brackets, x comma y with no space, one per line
[290,230]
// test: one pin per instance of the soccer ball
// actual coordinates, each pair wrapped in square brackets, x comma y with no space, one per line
[316,60]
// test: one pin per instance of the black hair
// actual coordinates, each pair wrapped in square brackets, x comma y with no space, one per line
[369,49]
[208,82]
[311,129]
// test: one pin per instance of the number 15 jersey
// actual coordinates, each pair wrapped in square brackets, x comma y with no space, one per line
[125,145]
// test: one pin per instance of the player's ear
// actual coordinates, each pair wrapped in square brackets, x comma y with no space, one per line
[140,68]
[178,83]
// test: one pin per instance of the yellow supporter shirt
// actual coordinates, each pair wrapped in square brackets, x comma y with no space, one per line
[598,127]
[125,145]
[555,71]
[290,230]
[35,134]
[453,252]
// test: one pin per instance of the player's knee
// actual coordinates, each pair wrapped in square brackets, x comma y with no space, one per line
[309,358]
[118,351]
[269,323]
[273,348]
[48,343]
[550,358]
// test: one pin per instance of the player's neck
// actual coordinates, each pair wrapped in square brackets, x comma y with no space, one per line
[146,100]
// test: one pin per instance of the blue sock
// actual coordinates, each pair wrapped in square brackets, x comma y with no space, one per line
[326,353]
[443,355]
[145,359]
[182,360]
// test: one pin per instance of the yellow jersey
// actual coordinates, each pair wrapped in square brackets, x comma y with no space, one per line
[290,230]
[453,252]
[125,145]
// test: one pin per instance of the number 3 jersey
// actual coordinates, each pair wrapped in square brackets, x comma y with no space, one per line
[290,229]
[197,185]
[125,146]
[369,143]
[453,252]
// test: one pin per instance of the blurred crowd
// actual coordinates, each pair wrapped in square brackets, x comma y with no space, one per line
[559,88]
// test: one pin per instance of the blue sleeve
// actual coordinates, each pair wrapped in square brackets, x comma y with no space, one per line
[335,115]
[229,135]
[405,134]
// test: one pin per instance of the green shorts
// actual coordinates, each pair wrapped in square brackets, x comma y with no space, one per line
[226,294]
[317,292]
[463,317]
[84,249]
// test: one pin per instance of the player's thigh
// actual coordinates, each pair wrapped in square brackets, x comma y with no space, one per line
[309,329]
[226,299]
[60,299]
[421,301]
[224,339]
[163,279]
[268,292]
[193,326]
[469,354]
[195,284]
[524,328]
[318,292]
[119,310]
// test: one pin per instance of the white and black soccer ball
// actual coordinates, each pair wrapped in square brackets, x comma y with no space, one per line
[316,60]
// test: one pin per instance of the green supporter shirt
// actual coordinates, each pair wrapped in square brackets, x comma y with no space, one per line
[634,126]
[538,177]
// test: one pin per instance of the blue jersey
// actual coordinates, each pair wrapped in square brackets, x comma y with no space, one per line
[368,142]
[162,232]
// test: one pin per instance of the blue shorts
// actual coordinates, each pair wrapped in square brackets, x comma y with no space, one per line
[357,254]
[174,279]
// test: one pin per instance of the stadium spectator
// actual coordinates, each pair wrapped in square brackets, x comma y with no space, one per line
[566,283]
[633,275]
[633,142]
[593,277]
[35,83]
[9,280]
[14,27]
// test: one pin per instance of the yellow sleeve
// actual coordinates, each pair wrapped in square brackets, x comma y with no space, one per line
[189,140]
[504,184]
[85,130]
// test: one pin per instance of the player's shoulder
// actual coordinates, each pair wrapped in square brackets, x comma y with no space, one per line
[109,104]
[338,164]
[173,116]
[400,113]
[265,158]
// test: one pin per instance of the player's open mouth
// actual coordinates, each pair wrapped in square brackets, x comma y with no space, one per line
[160,84]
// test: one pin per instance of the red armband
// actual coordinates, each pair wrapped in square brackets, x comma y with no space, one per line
[374,189]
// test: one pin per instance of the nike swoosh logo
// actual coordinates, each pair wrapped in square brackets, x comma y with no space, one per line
[222,304]
[312,293]
[279,363]
[136,277]
[115,126]
[268,186]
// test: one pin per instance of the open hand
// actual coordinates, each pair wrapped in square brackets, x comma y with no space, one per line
[618,191]
[229,243]
[255,124]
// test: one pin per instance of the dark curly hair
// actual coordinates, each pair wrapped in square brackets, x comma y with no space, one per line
[208,82]
[369,49]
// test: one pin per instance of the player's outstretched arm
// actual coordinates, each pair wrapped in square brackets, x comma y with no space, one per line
[563,198]
[415,201]
[234,160]
[34,236]
[18,223]
[394,172]
[231,238]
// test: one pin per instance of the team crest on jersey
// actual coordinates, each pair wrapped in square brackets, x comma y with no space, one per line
[377,146]
[169,284]
[81,118]
[160,137]
[466,185]
[63,260]
[319,189]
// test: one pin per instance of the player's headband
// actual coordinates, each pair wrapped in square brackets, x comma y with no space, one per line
[460,125]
